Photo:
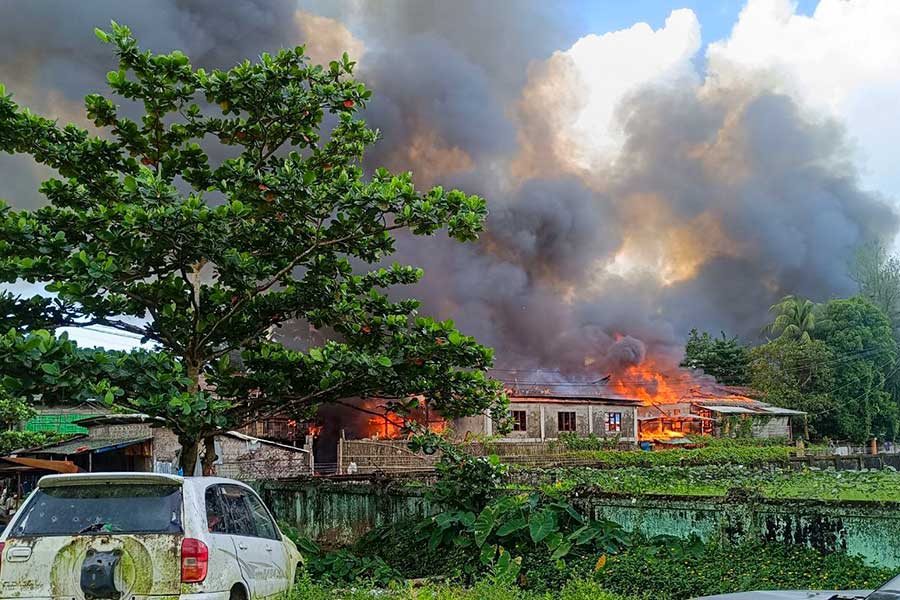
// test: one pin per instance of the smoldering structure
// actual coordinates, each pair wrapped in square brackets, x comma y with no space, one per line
[719,199]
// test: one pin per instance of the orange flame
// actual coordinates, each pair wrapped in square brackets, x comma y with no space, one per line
[390,425]
[645,382]
[654,387]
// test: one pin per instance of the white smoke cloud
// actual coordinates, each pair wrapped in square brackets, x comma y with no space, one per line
[842,62]
[602,71]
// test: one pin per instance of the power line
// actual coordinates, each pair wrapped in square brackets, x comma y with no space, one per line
[113,332]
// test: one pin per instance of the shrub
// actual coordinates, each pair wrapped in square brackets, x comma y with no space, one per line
[740,455]
[675,570]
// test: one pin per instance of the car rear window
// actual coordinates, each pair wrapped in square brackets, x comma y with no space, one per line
[101,509]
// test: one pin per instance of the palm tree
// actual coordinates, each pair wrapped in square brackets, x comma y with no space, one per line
[795,319]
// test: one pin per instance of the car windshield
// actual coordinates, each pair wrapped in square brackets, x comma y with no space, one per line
[889,591]
[101,509]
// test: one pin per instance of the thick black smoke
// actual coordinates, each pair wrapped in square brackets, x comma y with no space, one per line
[732,197]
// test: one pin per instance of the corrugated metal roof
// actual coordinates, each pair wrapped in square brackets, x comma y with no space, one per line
[80,445]
[691,417]
[256,440]
[22,463]
[777,410]
[538,397]
[729,410]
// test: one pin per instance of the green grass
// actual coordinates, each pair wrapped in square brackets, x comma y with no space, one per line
[574,590]
[710,455]
[674,571]
[716,480]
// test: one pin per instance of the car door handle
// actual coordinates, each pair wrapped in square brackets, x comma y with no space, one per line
[19,553]
[242,546]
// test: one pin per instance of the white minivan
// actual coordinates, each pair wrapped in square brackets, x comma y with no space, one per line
[140,536]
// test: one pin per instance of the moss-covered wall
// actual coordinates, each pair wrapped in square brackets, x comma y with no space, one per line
[338,513]
[869,529]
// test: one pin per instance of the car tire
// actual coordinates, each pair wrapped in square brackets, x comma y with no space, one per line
[238,593]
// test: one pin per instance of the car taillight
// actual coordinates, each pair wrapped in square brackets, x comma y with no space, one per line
[2,546]
[194,560]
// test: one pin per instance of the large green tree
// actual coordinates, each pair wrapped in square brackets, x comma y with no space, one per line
[799,375]
[795,319]
[148,233]
[860,337]
[877,273]
[724,358]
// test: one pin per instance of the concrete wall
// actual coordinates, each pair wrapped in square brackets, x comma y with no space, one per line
[774,427]
[542,420]
[338,513]
[869,529]
[238,458]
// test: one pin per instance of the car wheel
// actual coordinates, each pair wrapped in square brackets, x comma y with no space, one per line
[237,593]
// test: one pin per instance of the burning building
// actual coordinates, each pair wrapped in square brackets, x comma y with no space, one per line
[673,406]
[544,415]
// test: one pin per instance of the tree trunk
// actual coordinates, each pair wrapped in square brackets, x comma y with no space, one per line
[190,448]
[209,456]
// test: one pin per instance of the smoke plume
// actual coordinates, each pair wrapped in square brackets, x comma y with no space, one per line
[617,222]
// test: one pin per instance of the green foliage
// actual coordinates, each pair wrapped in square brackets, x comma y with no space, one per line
[147,234]
[737,454]
[838,376]
[482,590]
[797,375]
[861,336]
[522,525]
[712,441]
[795,319]
[405,548]
[14,410]
[344,566]
[340,566]
[679,570]
[465,482]
[877,273]
[12,439]
[724,358]
[717,480]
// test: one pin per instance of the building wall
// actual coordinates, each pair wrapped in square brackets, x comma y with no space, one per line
[542,421]
[238,458]
[774,427]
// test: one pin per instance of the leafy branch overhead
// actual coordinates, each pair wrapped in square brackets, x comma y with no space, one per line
[214,208]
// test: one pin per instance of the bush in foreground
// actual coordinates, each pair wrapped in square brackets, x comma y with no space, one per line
[485,590]
[684,570]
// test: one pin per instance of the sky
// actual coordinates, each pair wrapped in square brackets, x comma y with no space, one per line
[650,166]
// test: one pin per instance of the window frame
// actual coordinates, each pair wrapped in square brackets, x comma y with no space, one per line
[251,497]
[519,425]
[562,421]
[216,491]
[23,513]
[614,422]
[231,520]
[245,494]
